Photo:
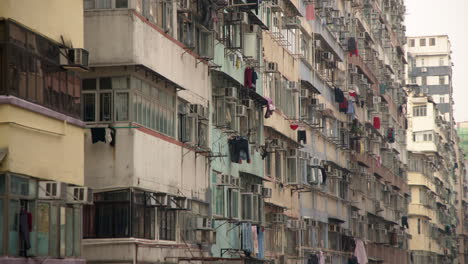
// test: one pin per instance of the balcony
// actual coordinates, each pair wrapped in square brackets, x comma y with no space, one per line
[327,37]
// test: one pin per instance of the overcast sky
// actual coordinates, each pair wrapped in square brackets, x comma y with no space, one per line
[445,17]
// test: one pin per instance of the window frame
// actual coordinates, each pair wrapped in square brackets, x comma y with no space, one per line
[422,42]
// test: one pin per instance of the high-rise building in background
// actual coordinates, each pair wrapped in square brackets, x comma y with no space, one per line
[430,67]
[462,131]
[41,132]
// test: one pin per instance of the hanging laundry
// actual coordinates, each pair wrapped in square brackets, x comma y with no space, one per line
[352,47]
[339,95]
[377,122]
[254,78]
[310,12]
[98,134]
[270,107]
[255,239]
[343,106]
[321,258]
[313,259]
[302,136]
[254,5]
[353,94]
[350,108]
[360,252]
[248,72]
[404,222]
[261,248]
[113,134]
[25,227]
[391,135]
[353,260]
[239,149]
[324,175]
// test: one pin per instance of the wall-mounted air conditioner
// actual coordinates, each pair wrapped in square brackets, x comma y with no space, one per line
[79,195]
[52,190]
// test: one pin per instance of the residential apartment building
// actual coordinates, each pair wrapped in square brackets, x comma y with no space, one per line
[462,232]
[41,132]
[146,101]
[240,131]
[430,67]
[434,176]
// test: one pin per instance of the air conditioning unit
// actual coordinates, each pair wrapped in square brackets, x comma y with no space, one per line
[162,199]
[376,99]
[74,58]
[424,69]
[183,203]
[278,218]
[52,190]
[321,107]
[249,103]
[234,16]
[197,109]
[294,86]
[223,179]
[257,189]
[203,223]
[266,192]
[241,110]
[385,188]
[362,35]
[271,67]
[230,93]
[292,153]
[328,56]
[318,43]
[353,69]
[354,215]
[292,224]
[79,195]
[311,222]
[304,93]
[235,182]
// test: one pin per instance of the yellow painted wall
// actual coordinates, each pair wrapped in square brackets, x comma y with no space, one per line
[40,146]
[51,18]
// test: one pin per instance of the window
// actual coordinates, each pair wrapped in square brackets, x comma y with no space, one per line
[441,79]
[411,43]
[432,42]
[167,224]
[422,42]
[278,167]
[424,80]
[442,100]
[413,80]
[423,136]
[419,226]
[121,3]
[420,110]
[422,61]
[103,96]
[441,61]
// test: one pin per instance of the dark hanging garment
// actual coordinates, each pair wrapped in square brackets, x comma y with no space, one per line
[404,222]
[339,96]
[302,136]
[254,78]
[113,134]
[248,72]
[352,44]
[255,6]
[324,175]
[25,225]
[98,134]
[343,106]
[313,259]
[353,260]
[239,149]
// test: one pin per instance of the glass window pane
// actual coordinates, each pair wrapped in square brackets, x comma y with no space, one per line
[119,83]
[13,235]
[2,213]
[69,232]
[43,221]
[121,3]
[63,233]
[89,107]
[19,186]
[121,106]
[2,184]
[103,4]
[105,83]
[54,243]
[77,232]
[105,101]
[89,84]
